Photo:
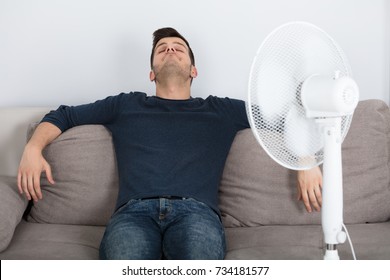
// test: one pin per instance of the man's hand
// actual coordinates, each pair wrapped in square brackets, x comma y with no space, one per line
[33,163]
[31,166]
[309,185]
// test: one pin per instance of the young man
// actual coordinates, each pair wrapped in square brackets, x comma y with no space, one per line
[171,149]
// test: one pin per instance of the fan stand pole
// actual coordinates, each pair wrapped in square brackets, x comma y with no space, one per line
[332,190]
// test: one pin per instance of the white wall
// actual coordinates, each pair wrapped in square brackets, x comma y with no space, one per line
[75,51]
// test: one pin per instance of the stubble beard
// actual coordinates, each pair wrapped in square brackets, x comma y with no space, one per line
[171,70]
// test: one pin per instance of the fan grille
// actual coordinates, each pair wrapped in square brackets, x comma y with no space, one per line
[288,56]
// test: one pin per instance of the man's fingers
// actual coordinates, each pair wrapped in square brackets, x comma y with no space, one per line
[313,200]
[20,182]
[30,187]
[37,186]
[299,195]
[306,202]
[49,175]
[29,184]
[319,196]
[25,186]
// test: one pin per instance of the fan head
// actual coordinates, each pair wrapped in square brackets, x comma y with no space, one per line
[286,59]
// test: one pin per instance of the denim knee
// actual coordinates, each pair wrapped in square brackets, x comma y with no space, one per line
[131,235]
[197,233]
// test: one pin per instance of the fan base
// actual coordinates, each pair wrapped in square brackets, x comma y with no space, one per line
[331,252]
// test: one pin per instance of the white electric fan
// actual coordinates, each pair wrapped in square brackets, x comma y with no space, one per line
[300,105]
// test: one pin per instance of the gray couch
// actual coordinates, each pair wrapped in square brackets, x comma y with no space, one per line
[262,216]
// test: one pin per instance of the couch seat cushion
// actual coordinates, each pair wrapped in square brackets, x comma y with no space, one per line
[51,242]
[283,242]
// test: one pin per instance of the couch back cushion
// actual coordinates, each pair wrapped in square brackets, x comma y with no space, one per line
[255,190]
[83,164]
[12,207]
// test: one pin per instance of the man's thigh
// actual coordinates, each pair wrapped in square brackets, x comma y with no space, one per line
[132,234]
[196,232]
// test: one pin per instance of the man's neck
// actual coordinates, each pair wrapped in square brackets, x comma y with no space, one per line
[174,92]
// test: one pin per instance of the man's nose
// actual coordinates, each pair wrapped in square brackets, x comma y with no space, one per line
[171,49]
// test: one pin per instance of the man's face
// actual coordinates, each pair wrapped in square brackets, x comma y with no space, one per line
[171,59]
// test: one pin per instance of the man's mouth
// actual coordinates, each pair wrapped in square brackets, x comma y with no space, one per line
[171,55]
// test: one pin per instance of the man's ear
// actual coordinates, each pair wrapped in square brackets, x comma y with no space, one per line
[152,76]
[194,71]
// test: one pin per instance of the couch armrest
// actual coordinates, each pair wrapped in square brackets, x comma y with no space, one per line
[12,207]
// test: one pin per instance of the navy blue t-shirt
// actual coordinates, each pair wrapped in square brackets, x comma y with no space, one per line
[163,147]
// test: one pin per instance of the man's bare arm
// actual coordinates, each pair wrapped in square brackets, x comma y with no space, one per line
[33,163]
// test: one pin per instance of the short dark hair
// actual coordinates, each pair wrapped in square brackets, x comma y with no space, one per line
[169,32]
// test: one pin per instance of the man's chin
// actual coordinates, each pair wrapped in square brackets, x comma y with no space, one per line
[172,68]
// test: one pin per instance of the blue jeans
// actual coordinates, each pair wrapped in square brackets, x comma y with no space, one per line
[164,228]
